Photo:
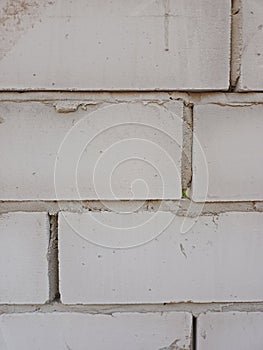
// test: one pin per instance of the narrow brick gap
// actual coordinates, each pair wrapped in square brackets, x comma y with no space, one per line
[186,171]
[194,333]
[235,45]
[231,58]
[53,262]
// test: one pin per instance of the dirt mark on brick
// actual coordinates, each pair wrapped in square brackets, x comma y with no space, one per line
[17,17]
[173,346]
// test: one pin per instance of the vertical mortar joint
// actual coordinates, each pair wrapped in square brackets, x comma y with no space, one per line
[186,170]
[194,333]
[235,45]
[53,263]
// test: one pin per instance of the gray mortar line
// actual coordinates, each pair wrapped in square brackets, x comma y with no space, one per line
[52,257]
[186,163]
[191,307]
[179,207]
[188,98]
[236,44]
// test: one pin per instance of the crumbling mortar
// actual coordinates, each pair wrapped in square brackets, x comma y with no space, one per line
[194,308]
[88,99]
[179,207]
[52,257]
[186,165]
[236,44]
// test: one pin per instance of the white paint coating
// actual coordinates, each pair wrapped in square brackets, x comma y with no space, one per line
[219,259]
[143,258]
[230,330]
[23,258]
[129,331]
[231,139]
[119,151]
[115,45]
[252,46]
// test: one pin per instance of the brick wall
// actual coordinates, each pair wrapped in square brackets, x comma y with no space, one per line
[131,182]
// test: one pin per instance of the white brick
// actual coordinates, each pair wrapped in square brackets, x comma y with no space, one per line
[23,258]
[228,144]
[252,45]
[129,331]
[218,259]
[230,330]
[113,153]
[130,45]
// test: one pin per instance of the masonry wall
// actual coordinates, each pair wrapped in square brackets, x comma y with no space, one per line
[131,182]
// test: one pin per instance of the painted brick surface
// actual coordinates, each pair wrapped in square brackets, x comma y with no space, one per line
[251,77]
[118,45]
[230,330]
[218,259]
[23,258]
[140,331]
[117,151]
[131,172]
[227,153]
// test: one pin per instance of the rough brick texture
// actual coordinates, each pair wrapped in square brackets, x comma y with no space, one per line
[230,330]
[131,172]
[162,45]
[161,264]
[118,151]
[118,331]
[251,77]
[23,258]
[227,153]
